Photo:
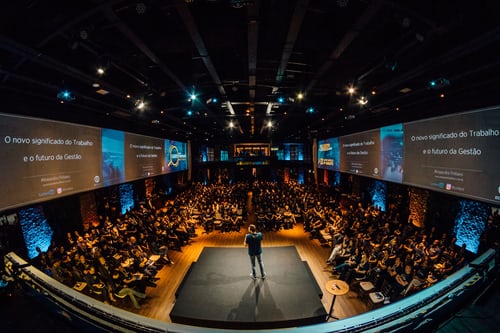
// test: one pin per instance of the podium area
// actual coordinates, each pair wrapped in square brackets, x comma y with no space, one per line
[218,291]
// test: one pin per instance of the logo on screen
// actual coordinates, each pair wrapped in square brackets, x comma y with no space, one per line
[59,190]
[448,187]
[174,156]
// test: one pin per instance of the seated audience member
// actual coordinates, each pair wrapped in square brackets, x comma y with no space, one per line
[336,251]
[434,251]
[96,285]
[403,279]
[361,269]
[124,285]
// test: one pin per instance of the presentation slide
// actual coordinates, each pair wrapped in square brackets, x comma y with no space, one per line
[459,154]
[144,156]
[42,159]
[113,157]
[360,153]
[176,158]
[391,152]
[329,154]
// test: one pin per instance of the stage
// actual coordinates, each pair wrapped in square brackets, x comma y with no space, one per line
[218,291]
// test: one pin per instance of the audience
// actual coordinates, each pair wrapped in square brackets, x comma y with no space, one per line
[120,256]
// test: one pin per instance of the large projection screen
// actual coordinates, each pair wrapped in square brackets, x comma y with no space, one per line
[42,159]
[360,153]
[144,156]
[459,154]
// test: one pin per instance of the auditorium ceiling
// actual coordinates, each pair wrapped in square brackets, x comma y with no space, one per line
[245,62]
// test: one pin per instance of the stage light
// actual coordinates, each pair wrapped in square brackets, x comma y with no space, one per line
[363,100]
[189,113]
[310,110]
[281,99]
[231,124]
[100,70]
[300,96]
[66,95]
[214,100]
[269,124]
[439,83]
[140,105]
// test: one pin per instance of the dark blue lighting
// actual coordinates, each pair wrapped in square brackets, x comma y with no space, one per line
[378,191]
[126,197]
[470,223]
[36,231]
[300,176]
[65,95]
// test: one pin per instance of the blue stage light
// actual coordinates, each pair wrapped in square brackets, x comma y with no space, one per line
[439,83]
[281,99]
[65,95]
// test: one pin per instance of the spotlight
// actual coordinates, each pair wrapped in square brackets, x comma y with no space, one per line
[351,90]
[439,83]
[281,99]
[66,95]
[269,124]
[362,100]
[189,113]
[212,100]
[139,104]
[310,110]
[300,96]
[100,71]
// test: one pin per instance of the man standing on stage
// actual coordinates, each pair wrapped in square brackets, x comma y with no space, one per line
[253,240]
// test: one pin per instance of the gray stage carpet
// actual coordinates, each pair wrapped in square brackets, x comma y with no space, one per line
[218,291]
